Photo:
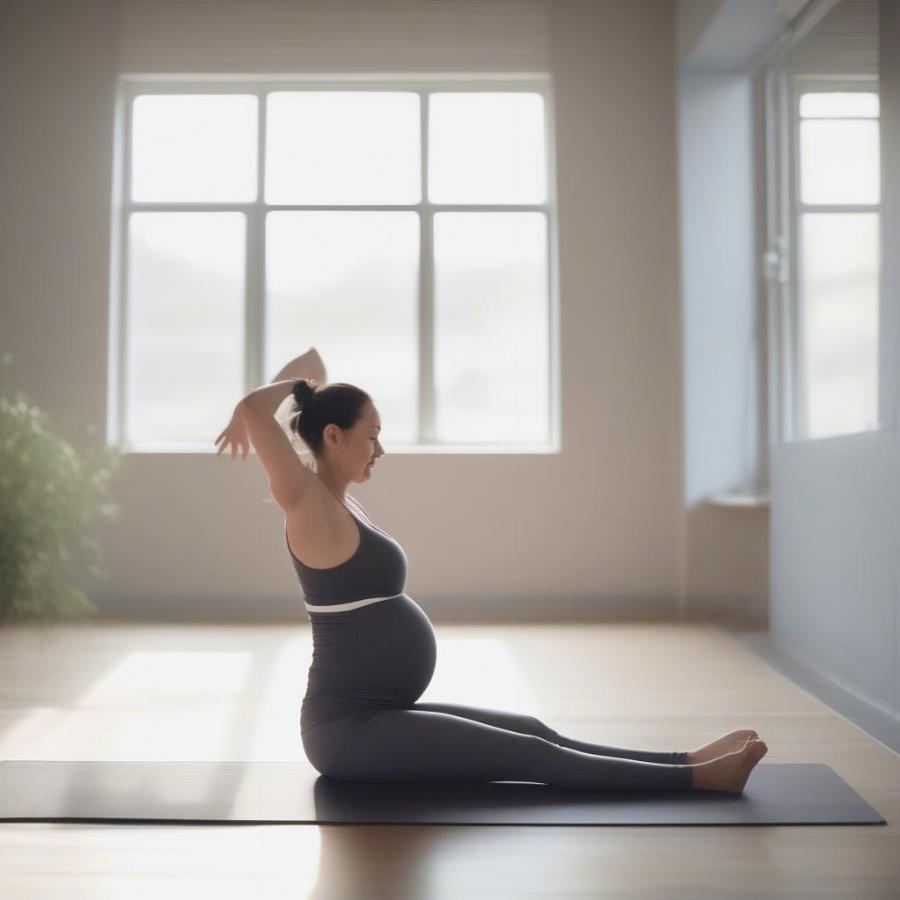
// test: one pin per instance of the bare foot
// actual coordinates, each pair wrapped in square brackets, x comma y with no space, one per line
[728,743]
[730,772]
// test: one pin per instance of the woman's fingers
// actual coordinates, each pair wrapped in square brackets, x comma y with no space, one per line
[239,441]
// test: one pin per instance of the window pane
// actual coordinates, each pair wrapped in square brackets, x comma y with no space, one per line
[343,147]
[839,105]
[486,148]
[491,327]
[194,148]
[185,324]
[840,270]
[347,283]
[840,161]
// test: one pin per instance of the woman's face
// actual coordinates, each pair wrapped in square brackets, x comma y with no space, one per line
[361,445]
[369,427]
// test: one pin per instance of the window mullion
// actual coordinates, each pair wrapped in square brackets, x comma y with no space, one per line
[782,372]
[124,297]
[839,207]
[798,413]
[427,411]
[255,308]
[773,268]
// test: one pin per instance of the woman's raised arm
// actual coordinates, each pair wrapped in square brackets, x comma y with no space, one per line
[254,416]
[307,365]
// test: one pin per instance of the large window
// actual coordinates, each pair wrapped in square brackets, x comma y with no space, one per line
[403,229]
[837,195]
[823,255]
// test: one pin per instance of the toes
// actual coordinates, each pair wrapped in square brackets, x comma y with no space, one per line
[757,749]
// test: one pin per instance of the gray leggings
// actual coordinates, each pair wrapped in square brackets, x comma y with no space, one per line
[446,741]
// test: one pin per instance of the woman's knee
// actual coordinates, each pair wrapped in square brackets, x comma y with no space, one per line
[322,746]
[542,730]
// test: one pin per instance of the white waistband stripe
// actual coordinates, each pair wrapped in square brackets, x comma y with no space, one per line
[344,607]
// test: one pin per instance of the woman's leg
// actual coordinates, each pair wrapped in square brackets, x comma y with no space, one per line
[532,725]
[417,744]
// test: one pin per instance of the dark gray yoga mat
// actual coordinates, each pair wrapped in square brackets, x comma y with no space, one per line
[63,790]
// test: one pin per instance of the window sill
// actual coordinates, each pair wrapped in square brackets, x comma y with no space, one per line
[738,501]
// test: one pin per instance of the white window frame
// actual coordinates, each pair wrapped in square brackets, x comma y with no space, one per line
[130,87]
[800,84]
[782,271]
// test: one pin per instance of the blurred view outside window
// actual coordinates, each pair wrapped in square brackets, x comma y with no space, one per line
[402,232]
[839,192]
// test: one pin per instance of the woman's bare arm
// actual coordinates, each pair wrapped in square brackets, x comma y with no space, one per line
[254,421]
[269,397]
[288,477]
[307,365]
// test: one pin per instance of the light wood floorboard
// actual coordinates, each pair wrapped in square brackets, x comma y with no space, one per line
[220,692]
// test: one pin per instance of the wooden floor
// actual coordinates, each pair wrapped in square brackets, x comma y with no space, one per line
[201,692]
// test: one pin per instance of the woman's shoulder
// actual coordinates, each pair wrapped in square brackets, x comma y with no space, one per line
[316,516]
[317,526]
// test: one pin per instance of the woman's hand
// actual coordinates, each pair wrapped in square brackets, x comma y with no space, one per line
[236,434]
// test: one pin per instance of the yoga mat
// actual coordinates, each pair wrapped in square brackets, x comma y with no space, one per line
[125,791]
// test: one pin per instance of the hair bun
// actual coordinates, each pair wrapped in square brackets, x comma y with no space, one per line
[303,391]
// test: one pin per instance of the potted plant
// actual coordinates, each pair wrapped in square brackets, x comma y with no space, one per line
[50,492]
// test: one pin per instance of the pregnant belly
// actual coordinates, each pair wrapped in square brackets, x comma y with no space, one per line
[383,654]
[399,648]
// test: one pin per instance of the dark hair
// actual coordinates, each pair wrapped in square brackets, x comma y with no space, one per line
[315,407]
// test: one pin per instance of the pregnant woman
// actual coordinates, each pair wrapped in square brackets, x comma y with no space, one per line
[374,647]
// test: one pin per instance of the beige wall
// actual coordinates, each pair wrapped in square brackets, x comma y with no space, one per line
[595,528]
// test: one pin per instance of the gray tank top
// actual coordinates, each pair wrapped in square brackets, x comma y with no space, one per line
[376,569]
